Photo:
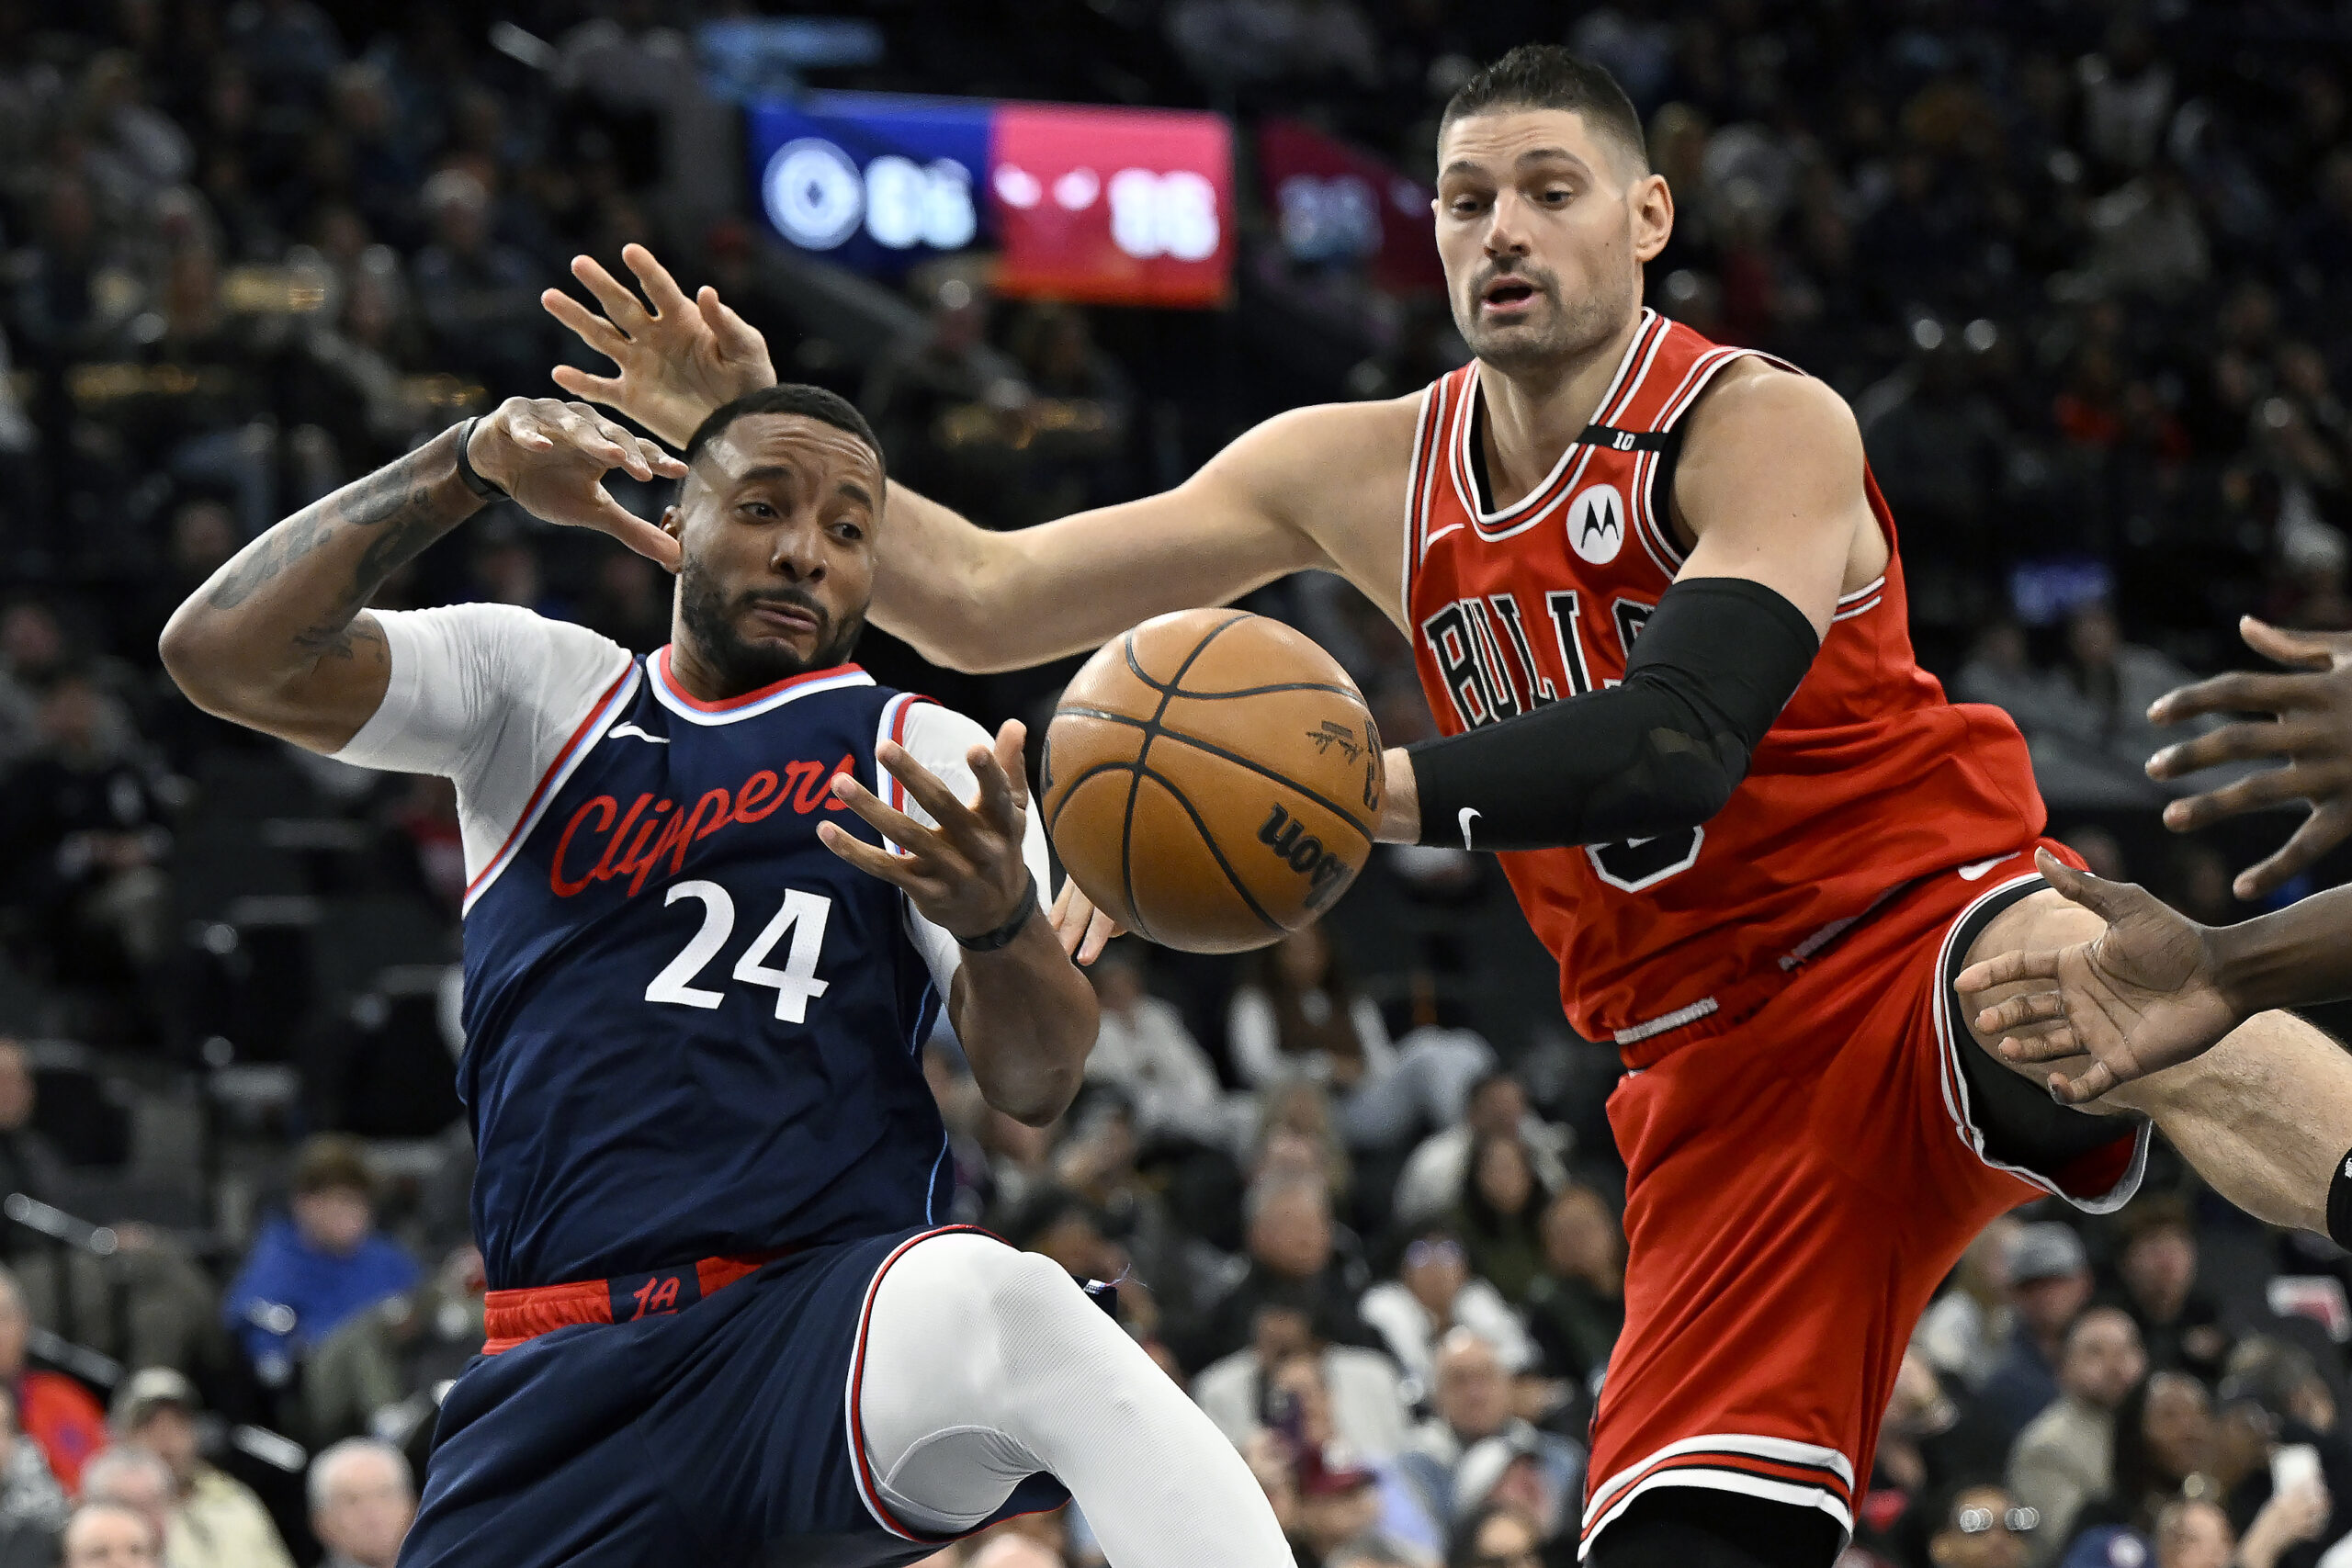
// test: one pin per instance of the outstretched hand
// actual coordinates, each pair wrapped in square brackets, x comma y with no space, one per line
[1081,928]
[2143,996]
[552,458]
[2309,729]
[966,875]
[679,359]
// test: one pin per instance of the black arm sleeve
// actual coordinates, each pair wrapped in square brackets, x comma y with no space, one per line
[1717,660]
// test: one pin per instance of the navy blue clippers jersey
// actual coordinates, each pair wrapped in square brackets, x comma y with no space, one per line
[691,1029]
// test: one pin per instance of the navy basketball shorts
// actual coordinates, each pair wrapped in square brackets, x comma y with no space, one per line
[719,1433]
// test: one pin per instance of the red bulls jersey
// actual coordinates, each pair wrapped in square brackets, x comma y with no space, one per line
[1869,779]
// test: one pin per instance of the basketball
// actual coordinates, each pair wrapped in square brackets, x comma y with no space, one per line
[1212,780]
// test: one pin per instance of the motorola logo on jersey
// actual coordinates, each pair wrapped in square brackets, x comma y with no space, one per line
[1596,524]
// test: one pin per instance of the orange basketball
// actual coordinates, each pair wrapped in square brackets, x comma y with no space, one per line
[1212,779]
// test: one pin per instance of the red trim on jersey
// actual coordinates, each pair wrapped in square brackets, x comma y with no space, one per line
[587,723]
[513,1317]
[908,701]
[729,705]
[859,1462]
[1429,449]
[1532,508]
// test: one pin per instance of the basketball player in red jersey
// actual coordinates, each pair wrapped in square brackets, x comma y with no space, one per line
[1654,600]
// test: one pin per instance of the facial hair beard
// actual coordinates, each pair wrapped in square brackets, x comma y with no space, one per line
[1574,326]
[741,664]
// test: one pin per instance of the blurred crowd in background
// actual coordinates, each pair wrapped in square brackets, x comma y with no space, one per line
[2078,264]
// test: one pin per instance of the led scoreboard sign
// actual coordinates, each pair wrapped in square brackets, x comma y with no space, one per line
[1111,206]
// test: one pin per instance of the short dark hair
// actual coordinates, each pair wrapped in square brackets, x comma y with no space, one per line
[1546,76]
[788,397]
[333,1161]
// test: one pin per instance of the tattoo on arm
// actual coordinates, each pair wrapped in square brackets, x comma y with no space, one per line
[404,509]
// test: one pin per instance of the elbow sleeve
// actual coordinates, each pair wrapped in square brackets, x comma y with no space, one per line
[1713,667]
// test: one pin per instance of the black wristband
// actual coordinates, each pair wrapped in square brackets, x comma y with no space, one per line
[467,474]
[988,941]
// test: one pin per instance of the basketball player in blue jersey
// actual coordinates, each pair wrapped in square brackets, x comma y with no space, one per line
[718,897]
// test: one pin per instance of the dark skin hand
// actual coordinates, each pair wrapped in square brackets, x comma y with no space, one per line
[2156,988]
[2306,725]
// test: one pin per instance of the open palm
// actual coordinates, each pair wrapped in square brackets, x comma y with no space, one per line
[2140,997]
[679,359]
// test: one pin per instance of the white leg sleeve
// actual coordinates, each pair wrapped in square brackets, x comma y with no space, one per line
[981,1365]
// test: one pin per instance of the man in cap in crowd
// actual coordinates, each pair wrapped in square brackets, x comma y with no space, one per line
[215,1520]
[2049,1280]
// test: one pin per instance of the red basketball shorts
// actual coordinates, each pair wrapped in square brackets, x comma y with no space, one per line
[1797,1188]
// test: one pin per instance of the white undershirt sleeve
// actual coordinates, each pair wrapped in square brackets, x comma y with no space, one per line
[938,738]
[486,696]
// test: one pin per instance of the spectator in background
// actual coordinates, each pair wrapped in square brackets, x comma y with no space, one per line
[1507,1469]
[2164,1437]
[135,1479]
[28,1161]
[322,1262]
[2067,1455]
[1472,1401]
[1431,1185]
[1296,1013]
[478,295]
[2274,1395]
[1497,1535]
[1298,1406]
[1293,1258]
[2195,1533]
[53,1410]
[1576,1307]
[1499,1218]
[216,1522]
[1433,1293]
[1963,1330]
[107,1534]
[362,1499]
[1145,1052]
[1930,1439]
[32,1505]
[1367,1403]
[2050,1279]
[1981,1526]
[2178,1323]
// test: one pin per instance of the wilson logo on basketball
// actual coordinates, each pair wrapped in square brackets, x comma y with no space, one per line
[1291,842]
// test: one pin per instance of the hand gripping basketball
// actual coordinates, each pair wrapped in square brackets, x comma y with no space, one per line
[966,875]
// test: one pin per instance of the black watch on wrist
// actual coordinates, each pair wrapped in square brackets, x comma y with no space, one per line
[466,474]
[988,941]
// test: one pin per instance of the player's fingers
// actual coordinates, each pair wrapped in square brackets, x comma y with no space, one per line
[661,288]
[2324,829]
[2030,1047]
[2247,741]
[2026,1007]
[646,453]
[2110,901]
[580,384]
[1100,930]
[1013,757]
[955,819]
[2094,1081]
[871,858]
[592,328]
[2272,787]
[2241,691]
[737,337]
[2302,649]
[893,824]
[2003,967]
[653,543]
[994,805]
[1068,916]
[620,303]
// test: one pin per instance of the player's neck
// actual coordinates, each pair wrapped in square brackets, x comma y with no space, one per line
[1533,414]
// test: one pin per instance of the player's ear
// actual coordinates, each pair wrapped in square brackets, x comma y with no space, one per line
[1649,204]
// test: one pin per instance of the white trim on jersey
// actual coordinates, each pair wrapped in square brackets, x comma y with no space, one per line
[695,711]
[592,731]
[1955,1084]
[1612,1497]
[1416,503]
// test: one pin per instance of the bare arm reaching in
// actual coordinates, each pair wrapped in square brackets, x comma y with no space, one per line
[278,638]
